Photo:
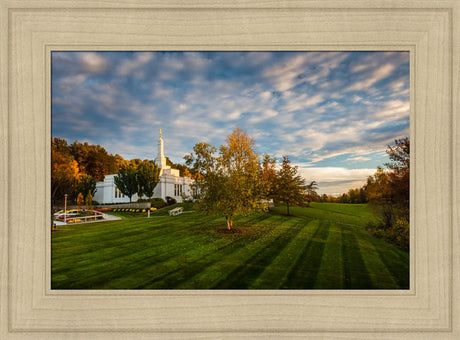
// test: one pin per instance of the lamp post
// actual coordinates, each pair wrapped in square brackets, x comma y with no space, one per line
[65,208]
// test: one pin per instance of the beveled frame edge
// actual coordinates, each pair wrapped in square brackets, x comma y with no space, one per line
[454,99]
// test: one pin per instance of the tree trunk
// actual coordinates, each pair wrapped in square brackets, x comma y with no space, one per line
[229,222]
[287,205]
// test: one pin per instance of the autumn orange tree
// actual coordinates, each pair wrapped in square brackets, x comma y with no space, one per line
[229,183]
[388,189]
[65,172]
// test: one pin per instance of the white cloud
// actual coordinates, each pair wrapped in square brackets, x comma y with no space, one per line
[68,83]
[265,95]
[337,179]
[264,116]
[379,74]
[359,159]
[394,110]
[130,65]
[93,62]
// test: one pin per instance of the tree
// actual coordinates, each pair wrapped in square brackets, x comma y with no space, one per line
[290,186]
[310,192]
[89,202]
[126,180]
[147,178]
[86,183]
[268,176]
[65,172]
[379,194]
[94,160]
[80,200]
[229,183]
[399,176]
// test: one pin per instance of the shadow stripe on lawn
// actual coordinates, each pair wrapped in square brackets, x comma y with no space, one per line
[114,238]
[378,271]
[98,272]
[330,275]
[133,253]
[106,274]
[122,244]
[398,268]
[219,270]
[246,273]
[104,269]
[275,275]
[355,271]
[191,262]
[305,271]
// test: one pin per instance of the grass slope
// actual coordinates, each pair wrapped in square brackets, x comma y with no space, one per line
[185,252]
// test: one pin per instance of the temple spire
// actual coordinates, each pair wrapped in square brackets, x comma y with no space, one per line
[160,160]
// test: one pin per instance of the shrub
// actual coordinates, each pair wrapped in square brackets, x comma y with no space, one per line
[397,233]
[170,200]
[158,203]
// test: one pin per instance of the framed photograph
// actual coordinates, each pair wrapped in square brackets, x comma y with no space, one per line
[51,47]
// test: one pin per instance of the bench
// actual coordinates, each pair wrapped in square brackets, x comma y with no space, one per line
[176,211]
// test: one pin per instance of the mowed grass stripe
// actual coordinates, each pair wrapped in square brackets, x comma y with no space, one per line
[395,260]
[166,255]
[108,235]
[275,251]
[109,262]
[331,270]
[134,260]
[170,273]
[246,273]
[304,273]
[356,275]
[121,245]
[220,270]
[378,271]
[275,275]
[190,267]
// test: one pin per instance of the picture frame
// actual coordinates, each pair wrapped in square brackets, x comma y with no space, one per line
[31,30]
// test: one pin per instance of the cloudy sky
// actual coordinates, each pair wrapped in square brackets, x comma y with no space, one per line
[332,113]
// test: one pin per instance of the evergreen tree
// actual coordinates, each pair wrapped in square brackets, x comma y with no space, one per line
[290,186]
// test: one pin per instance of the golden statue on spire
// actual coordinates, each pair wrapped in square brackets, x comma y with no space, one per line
[160,133]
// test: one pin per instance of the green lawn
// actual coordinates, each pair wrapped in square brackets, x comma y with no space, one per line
[355,214]
[309,250]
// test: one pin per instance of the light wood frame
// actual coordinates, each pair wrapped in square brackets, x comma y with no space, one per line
[30,30]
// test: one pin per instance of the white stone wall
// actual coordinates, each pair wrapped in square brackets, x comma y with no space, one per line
[105,191]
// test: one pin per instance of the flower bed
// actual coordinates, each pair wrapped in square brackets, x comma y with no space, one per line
[133,210]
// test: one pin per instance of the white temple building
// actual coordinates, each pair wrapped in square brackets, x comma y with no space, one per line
[170,183]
